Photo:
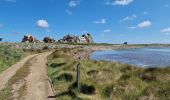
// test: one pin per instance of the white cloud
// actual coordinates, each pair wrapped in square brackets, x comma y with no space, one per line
[132,27]
[132,17]
[74,3]
[166,30]
[101,21]
[42,23]
[119,2]
[144,24]
[68,12]
[107,31]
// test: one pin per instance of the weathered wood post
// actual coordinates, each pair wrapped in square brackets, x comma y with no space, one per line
[78,77]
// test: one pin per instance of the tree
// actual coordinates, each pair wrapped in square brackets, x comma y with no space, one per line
[0,39]
[125,43]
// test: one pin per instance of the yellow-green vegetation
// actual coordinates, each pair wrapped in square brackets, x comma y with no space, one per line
[9,55]
[102,80]
[16,87]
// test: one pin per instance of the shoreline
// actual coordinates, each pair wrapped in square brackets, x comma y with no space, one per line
[138,64]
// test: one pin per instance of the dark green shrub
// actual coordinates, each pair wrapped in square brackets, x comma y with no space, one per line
[87,89]
[107,91]
[65,77]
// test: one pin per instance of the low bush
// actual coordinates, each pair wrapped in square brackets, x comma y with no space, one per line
[9,54]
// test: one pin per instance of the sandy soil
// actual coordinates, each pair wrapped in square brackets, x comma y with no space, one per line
[38,86]
[7,74]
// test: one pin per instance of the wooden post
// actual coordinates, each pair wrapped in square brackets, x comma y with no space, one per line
[78,77]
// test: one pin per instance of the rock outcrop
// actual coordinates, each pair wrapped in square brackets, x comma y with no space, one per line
[30,39]
[85,38]
[48,40]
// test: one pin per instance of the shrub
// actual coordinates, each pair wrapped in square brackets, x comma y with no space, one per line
[87,89]
[9,54]
[107,91]
[65,77]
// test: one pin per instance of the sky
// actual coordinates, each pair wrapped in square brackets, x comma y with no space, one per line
[109,21]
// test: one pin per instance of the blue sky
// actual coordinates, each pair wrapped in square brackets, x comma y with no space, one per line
[110,21]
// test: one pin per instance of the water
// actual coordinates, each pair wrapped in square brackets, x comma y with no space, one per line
[142,57]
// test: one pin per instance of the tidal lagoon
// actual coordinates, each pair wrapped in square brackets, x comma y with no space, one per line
[142,57]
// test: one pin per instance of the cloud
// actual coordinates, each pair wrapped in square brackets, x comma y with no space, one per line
[74,3]
[42,24]
[132,27]
[107,31]
[144,24]
[68,12]
[119,2]
[166,30]
[132,17]
[101,21]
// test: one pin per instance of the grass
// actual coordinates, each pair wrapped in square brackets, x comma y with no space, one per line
[102,80]
[8,92]
[9,55]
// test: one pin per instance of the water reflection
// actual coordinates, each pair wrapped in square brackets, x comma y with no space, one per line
[143,57]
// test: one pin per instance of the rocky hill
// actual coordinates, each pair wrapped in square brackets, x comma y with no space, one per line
[85,38]
[30,39]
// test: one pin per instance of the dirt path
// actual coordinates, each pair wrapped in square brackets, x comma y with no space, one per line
[38,86]
[7,74]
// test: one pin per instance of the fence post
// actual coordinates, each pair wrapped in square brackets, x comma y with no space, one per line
[78,77]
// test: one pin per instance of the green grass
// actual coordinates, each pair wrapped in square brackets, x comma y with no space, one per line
[102,80]
[9,55]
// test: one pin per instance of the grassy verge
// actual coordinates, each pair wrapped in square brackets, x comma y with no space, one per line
[16,87]
[9,55]
[102,80]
